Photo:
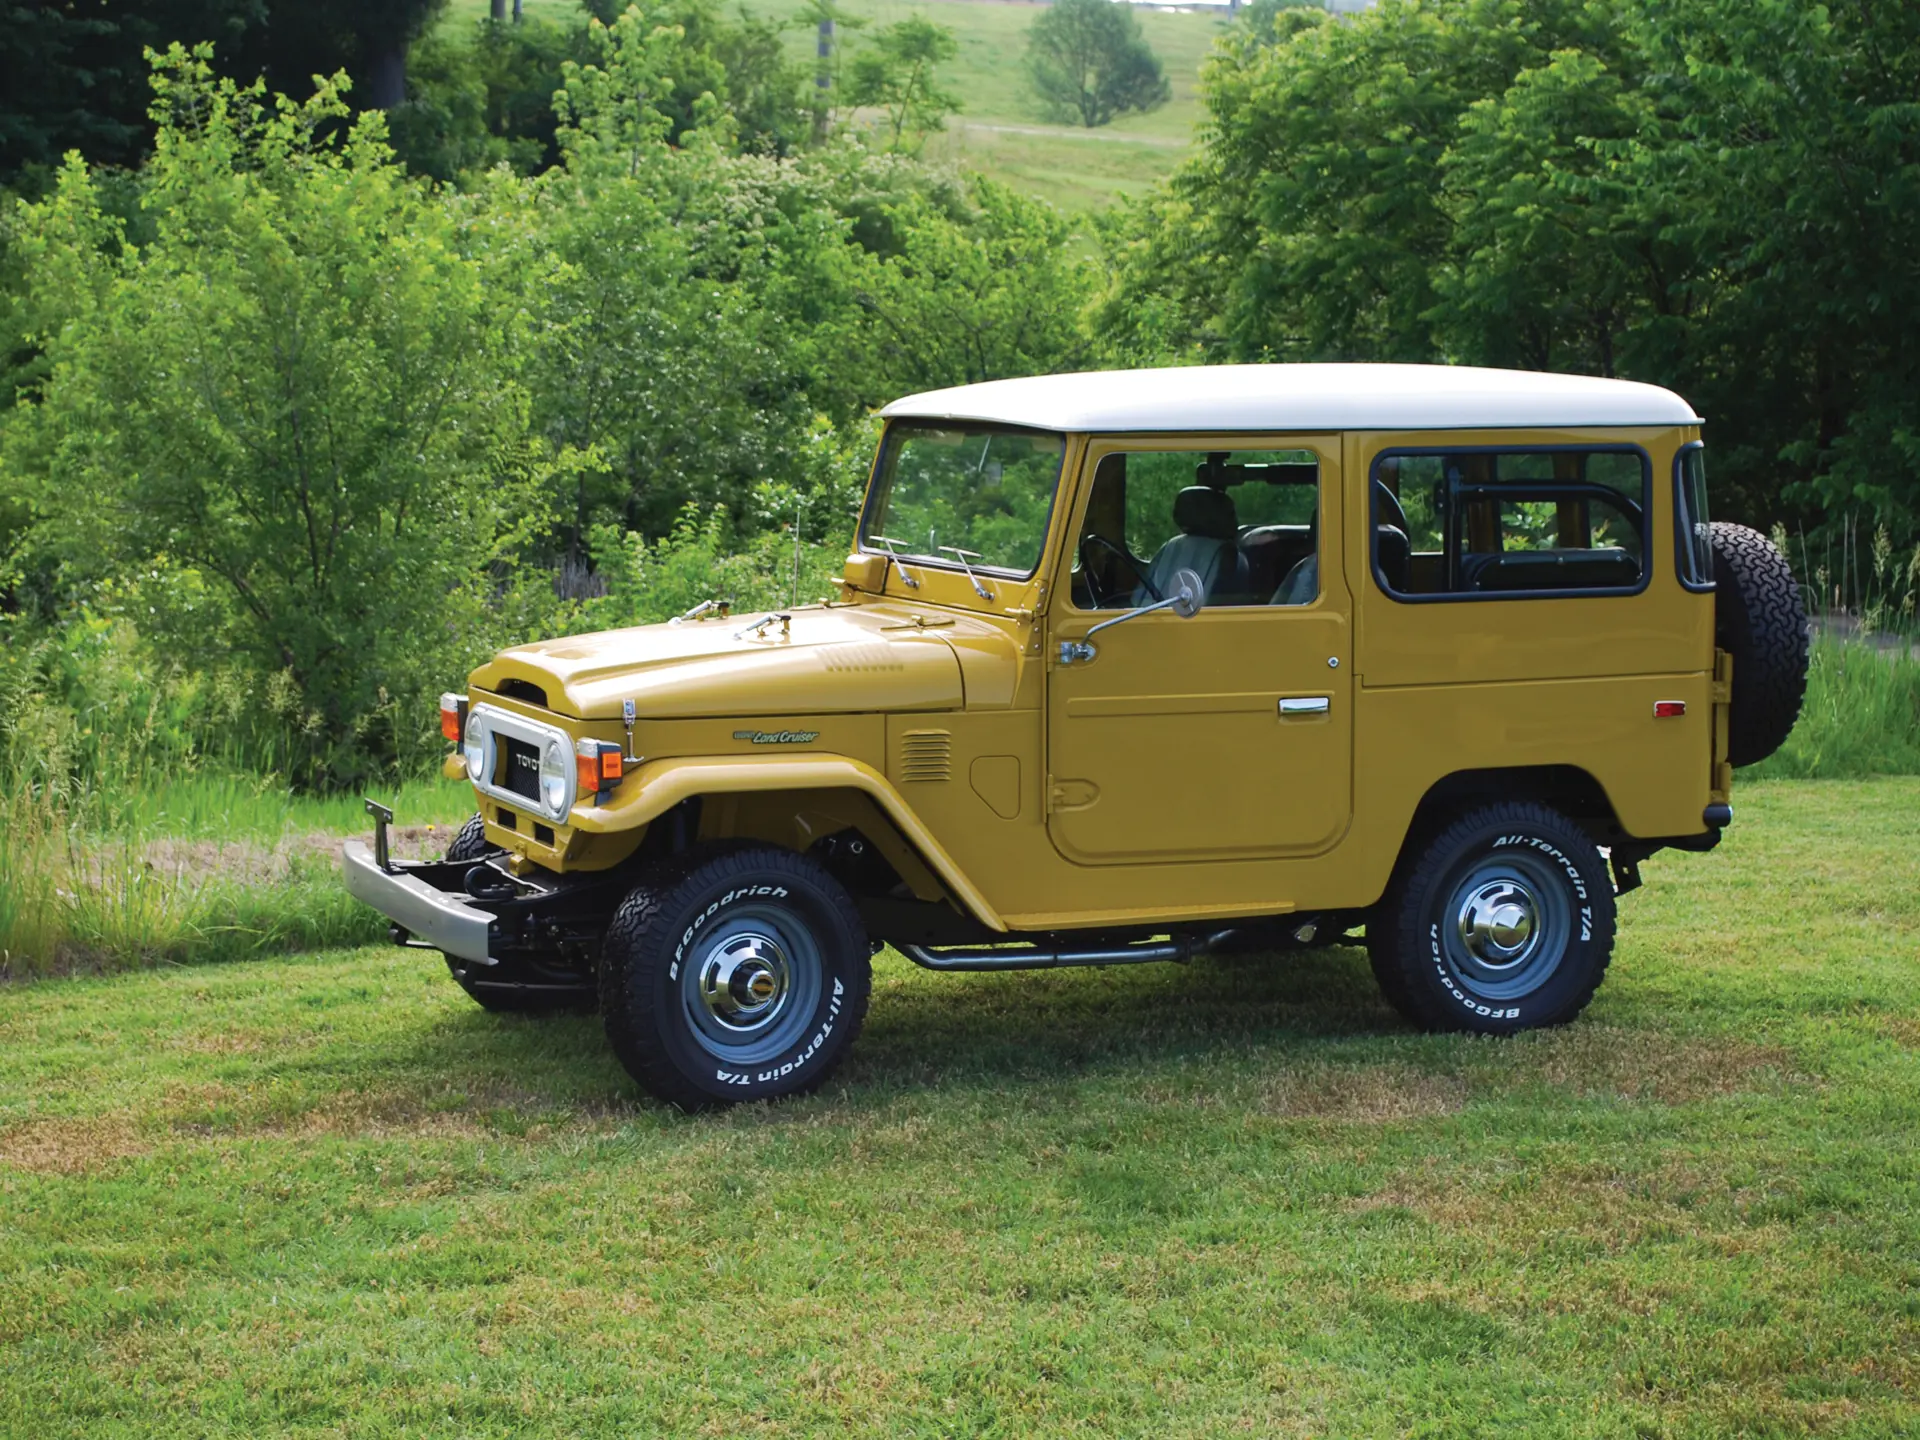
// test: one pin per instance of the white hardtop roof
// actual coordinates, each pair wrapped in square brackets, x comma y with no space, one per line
[1246,398]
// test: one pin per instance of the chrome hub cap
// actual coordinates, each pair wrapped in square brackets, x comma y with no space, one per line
[751,987]
[744,982]
[1496,921]
[1506,926]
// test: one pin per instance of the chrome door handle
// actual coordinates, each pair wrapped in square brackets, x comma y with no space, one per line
[1304,705]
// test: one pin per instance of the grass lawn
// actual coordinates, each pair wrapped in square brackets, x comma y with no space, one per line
[328,1195]
[1002,130]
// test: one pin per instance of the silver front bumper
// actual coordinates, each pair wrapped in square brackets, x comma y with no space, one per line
[444,921]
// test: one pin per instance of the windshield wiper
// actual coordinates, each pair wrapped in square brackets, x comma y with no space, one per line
[702,610]
[963,556]
[883,540]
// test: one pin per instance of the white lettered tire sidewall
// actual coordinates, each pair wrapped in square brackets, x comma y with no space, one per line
[670,928]
[1541,847]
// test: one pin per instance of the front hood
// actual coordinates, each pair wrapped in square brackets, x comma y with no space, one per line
[825,660]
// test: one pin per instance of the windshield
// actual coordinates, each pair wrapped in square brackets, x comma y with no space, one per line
[982,489]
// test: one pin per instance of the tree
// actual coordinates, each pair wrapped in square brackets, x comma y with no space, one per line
[1089,61]
[895,74]
[1713,195]
[73,74]
[292,413]
[989,293]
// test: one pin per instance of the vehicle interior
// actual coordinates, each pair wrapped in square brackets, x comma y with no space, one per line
[1495,521]
[1246,522]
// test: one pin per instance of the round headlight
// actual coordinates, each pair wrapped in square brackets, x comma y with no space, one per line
[555,773]
[474,744]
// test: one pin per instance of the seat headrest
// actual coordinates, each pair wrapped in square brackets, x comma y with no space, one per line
[1201,510]
[1386,507]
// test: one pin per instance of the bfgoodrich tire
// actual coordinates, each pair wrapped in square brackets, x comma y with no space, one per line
[1502,922]
[1759,620]
[740,973]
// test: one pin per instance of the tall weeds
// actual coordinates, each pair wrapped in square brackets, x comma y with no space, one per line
[1861,716]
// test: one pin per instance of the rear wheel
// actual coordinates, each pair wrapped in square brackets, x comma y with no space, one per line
[740,973]
[1502,922]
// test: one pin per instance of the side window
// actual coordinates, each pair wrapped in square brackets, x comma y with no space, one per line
[1692,536]
[1511,522]
[1247,521]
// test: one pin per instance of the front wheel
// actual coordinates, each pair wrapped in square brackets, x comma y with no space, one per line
[740,973]
[1502,922]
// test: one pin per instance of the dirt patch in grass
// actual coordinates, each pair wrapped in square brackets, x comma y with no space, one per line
[249,863]
[1901,1029]
[69,1146]
[1601,1060]
[1357,1094]
[493,1111]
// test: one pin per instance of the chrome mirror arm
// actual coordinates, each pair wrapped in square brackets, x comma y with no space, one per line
[1186,601]
[1173,604]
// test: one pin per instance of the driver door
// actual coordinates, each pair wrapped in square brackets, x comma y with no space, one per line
[1228,734]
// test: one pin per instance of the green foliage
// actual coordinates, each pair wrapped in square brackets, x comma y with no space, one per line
[1712,196]
[73,74]
[894,72]
[291,416]
[1861,716]
[309,438]
[994,291]
[1089,62]
[703,558]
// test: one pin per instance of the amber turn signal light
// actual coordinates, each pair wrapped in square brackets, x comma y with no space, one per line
[599,765]
[453,716]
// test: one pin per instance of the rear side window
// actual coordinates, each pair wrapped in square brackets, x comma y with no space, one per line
[1485,523]
[1691,533]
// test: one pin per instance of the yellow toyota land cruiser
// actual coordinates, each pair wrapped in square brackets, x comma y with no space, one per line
[1127,667]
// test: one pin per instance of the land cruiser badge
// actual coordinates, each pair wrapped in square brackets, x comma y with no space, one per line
[778,737]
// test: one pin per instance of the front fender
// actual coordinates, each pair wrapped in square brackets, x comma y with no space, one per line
[658,785]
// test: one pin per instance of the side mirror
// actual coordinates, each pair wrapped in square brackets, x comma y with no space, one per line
[1189,594]
[865,572]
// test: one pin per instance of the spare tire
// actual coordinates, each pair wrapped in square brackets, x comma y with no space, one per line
[1759,620]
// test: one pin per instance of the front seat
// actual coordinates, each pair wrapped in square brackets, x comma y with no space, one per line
[1208,543]
[1393,553]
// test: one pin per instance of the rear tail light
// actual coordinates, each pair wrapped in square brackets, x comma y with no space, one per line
[453,716]
[600,765]
[1669,709]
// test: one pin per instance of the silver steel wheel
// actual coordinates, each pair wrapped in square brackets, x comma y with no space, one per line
[1505,927]
[751,985]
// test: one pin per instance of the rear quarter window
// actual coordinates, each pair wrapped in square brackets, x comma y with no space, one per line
[1486,523]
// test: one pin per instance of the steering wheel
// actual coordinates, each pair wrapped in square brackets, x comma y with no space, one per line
[1086,568]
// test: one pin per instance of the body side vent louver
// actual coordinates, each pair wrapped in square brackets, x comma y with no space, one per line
[926,755]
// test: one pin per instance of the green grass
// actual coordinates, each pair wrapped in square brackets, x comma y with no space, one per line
[201,868]
[1861,715]
[1002,130]
[327,1195]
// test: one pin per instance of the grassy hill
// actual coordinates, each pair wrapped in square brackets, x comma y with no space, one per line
[1002,129]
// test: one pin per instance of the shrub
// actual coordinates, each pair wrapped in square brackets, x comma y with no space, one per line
[291,416]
